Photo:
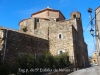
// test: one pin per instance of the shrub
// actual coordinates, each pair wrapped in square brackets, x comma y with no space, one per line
[43,61]
[26,61]
[4,69]
[24,28]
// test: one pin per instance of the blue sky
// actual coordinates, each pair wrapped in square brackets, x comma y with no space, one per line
[13,11]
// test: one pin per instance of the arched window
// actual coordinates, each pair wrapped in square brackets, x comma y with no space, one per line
[61,52]
[35,23]
[60,36]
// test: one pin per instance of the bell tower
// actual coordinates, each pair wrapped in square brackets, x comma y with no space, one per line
[75,15]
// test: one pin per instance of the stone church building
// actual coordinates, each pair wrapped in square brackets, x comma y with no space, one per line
[46,30]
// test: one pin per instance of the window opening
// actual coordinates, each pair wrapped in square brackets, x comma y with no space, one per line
[61,52]
[74,16]
[60,36]
[35,24]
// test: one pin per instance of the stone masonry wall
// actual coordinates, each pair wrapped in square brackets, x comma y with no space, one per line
[76,47]
[42,29]
[37,28]
[17,43]
[97,14]
[82,53]
[46,34]
[82,45]
[65,43]
[27,24]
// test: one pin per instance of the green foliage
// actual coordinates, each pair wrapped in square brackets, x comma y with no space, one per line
[62,60]
[24,28]
[44,61]
[41,61]
[26,61]
[4,69]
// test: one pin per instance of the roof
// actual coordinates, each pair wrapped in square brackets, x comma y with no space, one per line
[50,9]
[30,18]
[97,8]
[23,20]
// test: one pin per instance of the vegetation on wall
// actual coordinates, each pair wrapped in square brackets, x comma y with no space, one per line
[24,28]
[29,64]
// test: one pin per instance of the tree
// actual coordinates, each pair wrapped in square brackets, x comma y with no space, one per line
[26,62]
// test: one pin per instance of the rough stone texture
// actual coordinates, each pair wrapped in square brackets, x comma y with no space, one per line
[29,24]
[97,14]
[17,43]
[65,42]
[1,39]
[94,59]
[57,36]
[80,47]
[42,29]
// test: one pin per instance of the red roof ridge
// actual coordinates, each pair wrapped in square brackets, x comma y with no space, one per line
[48,9]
